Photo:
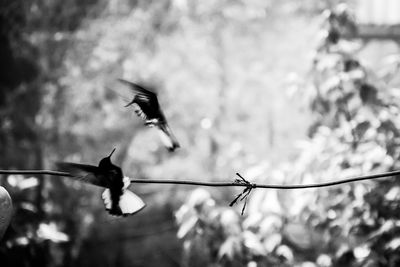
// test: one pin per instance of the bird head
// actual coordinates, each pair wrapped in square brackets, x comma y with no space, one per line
[107,160]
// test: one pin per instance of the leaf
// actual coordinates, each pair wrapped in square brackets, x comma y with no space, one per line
[187,226]
[200,198]
[183,214]
[286,252]
[28,183]
[272,241]
[324,260]
[228,217]
[50,232]
[253,243]
[229,248]
[270,224]
[252,220]
[394,244]
[393,194]
[28,207]
[230,221]
[361,252]
[299,234]
[308,264]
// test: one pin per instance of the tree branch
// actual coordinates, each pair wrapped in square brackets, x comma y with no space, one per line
[219,184]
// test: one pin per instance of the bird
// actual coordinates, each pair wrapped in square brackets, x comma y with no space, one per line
[147,107]
[117,199]
[6,210]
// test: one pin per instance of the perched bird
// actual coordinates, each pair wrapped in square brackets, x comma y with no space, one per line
[117,199]
[6,210]
[147,107]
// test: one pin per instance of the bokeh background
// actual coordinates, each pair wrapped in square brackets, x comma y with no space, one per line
[281,91]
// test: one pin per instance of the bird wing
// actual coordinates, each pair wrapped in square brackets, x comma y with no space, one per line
[147,108]
[83,173]
[146,102]
[139,89]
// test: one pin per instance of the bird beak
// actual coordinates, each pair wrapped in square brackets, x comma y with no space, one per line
[130,103]
[112,152]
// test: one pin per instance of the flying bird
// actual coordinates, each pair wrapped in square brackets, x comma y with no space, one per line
[145,103]
[118,200]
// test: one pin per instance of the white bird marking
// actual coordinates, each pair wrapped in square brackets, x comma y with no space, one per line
[129,202]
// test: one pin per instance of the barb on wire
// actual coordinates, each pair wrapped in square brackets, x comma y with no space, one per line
[246,192]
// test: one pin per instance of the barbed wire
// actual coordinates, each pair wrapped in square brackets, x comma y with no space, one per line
[220,184]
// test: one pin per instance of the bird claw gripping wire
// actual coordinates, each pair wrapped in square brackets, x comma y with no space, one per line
[245,194]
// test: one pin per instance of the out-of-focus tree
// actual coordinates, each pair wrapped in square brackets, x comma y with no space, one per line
[217,67]
[32,45]
[355,131]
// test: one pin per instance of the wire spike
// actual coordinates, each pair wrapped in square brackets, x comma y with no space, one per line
[235,200]
[244,207]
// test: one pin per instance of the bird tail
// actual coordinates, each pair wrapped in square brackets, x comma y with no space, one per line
[168,138]
[129,203]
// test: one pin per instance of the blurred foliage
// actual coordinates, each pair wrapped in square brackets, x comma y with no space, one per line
[220,67]
[59,61]
[355,131]
[31,49]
